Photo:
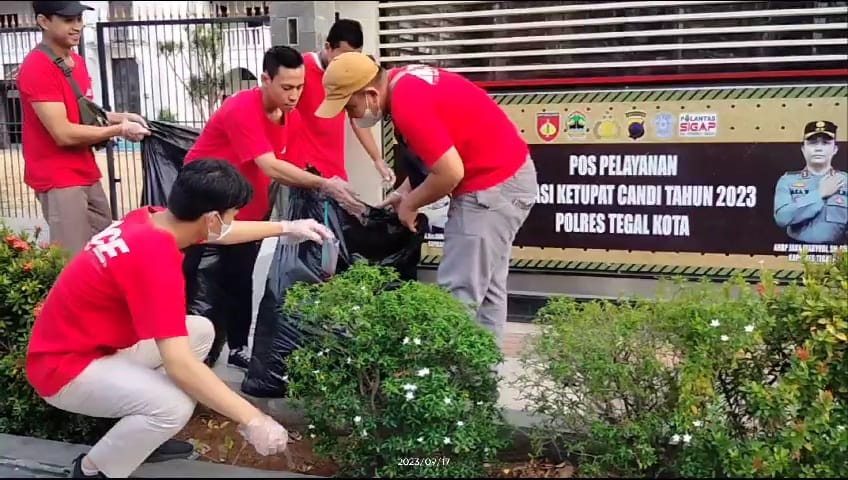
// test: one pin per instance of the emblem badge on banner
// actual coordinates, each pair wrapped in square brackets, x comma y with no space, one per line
[635,124]
[664,125]
[607,128]
[547,126]
[576,126]
[698,125]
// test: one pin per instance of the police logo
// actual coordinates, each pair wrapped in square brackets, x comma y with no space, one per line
[576,126]
[607,128]
[664,125]
[547,126]
[635,124]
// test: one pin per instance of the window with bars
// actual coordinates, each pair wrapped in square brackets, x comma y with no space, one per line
[491,41]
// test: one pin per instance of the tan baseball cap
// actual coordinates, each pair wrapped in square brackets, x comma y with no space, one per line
[347,74]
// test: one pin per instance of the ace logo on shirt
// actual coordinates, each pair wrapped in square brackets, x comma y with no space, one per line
[108,243]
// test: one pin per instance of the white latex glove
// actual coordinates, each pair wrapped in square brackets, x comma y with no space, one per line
[342,192]
[266,435]
[133,131]
[297,231]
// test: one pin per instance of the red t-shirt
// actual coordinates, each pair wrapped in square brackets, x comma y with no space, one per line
[323,139]
[435,110]
[127,285]
[239,132]
[47,165]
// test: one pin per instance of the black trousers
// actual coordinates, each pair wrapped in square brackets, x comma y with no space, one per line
[219,286]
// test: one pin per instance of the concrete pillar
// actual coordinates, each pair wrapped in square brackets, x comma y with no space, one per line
[313,21]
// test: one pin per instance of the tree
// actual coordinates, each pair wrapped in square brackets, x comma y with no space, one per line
[201,65]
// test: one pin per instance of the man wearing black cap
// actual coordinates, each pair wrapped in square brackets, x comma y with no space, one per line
[59,133]
[812,204]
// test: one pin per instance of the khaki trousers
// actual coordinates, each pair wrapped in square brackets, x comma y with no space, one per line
[75,214]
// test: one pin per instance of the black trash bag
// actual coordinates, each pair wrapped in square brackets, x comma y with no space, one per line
[162,156]
[380,239]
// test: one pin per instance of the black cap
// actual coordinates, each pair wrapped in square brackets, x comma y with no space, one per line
[63,9]
[820,127]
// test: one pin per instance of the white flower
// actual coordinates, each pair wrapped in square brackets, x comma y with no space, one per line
[423,372]
[460,424]
[715,323]
[311,427]
[355,308]
[357,419]
[311,435]
[698,424]
[364,434]
[410,387]
[675,439]
[410,395]
[405,340]
[479,402]
[420,439]
[749,329]
[321,353]
[687,438]
[349,360]
[447,401]
[724,338]
[447,441]
[416,341]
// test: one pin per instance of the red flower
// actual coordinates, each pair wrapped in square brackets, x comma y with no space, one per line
[802,353]
[761,289]
[36,312]
[11,239]
[28,267]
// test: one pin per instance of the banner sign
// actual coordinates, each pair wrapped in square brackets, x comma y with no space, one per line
[740,176]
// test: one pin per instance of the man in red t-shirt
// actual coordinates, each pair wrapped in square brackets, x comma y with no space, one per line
[258,130]
[113,340]
[472,152]
[323,139]
[57,148]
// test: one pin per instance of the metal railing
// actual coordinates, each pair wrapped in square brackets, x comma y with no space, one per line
[174,69]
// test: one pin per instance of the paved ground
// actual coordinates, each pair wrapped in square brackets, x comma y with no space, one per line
[22,457]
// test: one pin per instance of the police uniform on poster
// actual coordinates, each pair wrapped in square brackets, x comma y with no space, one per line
[812,204]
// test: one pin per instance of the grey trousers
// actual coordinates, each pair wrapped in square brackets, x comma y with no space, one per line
[75,214]
[479,233]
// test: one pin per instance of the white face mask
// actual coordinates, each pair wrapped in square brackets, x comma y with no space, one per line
[225,229]
[370,118]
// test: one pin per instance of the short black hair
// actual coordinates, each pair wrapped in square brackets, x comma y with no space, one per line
[281,56]
[345,30]
[208,186]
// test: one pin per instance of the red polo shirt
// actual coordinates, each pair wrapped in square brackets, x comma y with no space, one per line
[126,286]
[239,132]
[47,165]
[435,110]
[322,139]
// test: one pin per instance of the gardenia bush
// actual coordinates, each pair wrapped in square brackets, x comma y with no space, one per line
[716,381]
[28,268]
[396,378]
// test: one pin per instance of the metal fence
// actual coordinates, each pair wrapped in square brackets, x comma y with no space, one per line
[177,70]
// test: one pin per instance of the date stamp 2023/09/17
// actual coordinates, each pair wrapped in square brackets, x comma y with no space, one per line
[423,462]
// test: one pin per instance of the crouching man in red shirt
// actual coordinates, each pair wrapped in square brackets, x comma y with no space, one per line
[113,339]
[473,152]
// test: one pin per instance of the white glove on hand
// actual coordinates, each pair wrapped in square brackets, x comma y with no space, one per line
[266,435]
[341,191]
[133,131]
[297,231]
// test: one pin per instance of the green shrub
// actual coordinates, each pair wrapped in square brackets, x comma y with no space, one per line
[396,378]
[712,381]
[28,269]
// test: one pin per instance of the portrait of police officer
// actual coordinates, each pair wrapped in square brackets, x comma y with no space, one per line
[812,204]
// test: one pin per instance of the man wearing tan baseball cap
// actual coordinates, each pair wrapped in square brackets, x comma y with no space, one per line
[471,151]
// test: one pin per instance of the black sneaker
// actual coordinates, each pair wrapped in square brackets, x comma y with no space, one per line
[171,450]
[239,358]
[76,470]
